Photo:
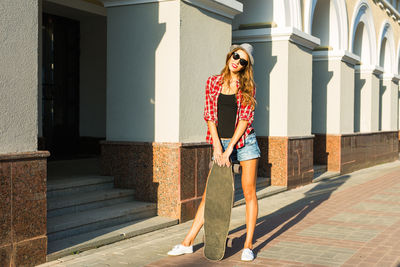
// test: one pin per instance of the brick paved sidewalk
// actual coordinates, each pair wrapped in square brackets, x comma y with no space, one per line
[352,220]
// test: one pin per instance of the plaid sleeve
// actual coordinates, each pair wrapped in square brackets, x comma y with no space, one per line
[208,108]
[246,111]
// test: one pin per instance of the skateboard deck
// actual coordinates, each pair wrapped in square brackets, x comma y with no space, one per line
[217,211]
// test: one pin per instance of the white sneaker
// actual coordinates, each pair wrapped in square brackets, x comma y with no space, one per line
[180,250]
[247,255]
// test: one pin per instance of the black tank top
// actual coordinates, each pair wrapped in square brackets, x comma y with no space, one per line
[227,109]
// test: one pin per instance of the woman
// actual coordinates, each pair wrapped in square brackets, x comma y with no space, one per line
[229,113]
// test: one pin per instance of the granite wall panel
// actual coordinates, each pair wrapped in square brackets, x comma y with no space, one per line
[5,200]
[23,240]
[351,152]
[29,199]
[171,174]
[5,255]
[31,252]
[204,155]
[300,161]
[264,166]
[131,164]
[364,150]
[287,160]
[278,160]
[188,173]
[166,172]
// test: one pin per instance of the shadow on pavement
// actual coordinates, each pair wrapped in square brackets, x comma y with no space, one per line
[285,218]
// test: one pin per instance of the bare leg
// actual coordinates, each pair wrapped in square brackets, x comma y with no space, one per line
[249,177]
[197,223]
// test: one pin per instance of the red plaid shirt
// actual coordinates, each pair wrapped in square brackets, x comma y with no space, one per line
[244,112]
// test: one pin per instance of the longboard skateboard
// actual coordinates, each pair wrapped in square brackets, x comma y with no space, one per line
[217,210]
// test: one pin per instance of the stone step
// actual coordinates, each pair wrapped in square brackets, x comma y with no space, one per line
[63,226]
[64,186]
[77,202]
[320,168]
[94,239]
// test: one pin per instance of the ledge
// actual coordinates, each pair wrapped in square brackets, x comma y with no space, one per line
[390,77]
[369,69]
[114,3]
[138,143]
[289,137]
[225,8]
[276,34]
[358,133]
[24,155]
[342,55]
[389,9]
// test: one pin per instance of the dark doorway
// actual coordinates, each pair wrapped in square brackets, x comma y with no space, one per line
[61,38]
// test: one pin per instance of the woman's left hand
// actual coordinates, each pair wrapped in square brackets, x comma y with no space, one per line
[225,157]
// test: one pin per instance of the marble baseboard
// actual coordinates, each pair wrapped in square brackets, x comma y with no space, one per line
[287,160]
[23,212]
[171,174]
[350,152]
[327,151]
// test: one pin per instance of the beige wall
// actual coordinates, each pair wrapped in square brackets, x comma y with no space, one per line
[299,90]
[379,17]
[142,60]
[367,111]
[333,97]
[202,54]
[264,64]
[389,95]
[18,75]
[283,75]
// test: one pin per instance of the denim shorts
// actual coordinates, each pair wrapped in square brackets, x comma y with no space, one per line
[250,150]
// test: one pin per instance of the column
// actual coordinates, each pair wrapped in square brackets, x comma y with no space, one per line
[23,211]
[367,97]
[389,102]
[283,73]
[160,54]
[333,105]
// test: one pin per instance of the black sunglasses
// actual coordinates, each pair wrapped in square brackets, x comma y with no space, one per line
[242,61]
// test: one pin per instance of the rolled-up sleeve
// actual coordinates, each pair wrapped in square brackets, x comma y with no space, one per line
[208,104]
[247,111]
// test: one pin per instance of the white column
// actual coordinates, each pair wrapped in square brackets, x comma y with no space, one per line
[159,56]
[19,79]
[367,97]
[333,92]
[283,74]
[389,101]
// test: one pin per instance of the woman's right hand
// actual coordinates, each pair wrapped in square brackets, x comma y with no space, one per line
[218,155]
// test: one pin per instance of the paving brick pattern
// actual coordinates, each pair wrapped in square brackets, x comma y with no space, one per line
[352,220]
[339,232]
[390,198]
[382,207]
[366,219]
[308,253]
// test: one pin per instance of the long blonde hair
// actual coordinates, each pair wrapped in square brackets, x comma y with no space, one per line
[246,80]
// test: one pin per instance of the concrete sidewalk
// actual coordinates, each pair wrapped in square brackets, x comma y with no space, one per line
[350,220]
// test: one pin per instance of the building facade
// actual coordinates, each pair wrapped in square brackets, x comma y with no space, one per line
[125,79]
